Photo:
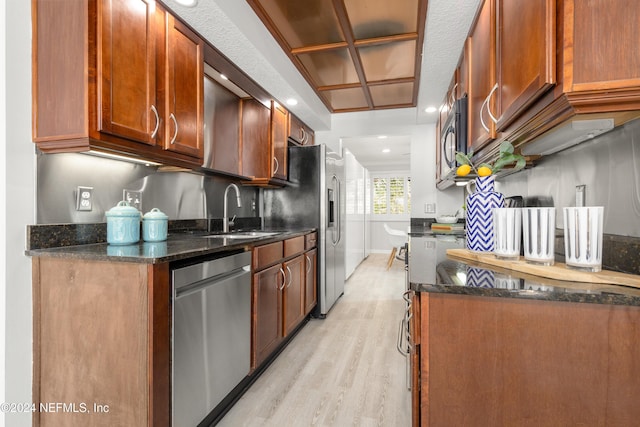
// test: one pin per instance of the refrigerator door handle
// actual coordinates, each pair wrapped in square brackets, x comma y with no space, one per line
[335,210]
[339,210]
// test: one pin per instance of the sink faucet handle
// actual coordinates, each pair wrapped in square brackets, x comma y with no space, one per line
[232,221]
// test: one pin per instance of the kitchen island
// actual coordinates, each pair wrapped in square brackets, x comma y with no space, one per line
[104,320]
[492,346]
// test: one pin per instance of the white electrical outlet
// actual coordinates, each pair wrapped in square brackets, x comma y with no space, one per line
[84,201]
[429,208]
[133,197]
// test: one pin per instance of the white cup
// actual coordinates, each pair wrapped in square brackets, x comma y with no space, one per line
[539,229]
[507,230]
[583,237]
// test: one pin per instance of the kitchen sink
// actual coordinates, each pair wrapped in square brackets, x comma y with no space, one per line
[243,235]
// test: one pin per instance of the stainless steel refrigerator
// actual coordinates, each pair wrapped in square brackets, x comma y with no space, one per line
[315,198]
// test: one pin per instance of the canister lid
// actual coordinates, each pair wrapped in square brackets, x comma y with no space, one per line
[155,213]
[123,209]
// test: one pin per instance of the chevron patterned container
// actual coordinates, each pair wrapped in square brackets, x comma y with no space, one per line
[479,216]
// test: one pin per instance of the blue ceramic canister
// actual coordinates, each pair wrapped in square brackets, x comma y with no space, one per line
[154,226]
[123,224]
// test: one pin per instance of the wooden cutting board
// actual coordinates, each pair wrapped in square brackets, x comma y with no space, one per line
[558,271]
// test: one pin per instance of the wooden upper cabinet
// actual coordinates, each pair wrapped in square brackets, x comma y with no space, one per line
[600,39]
[481,60]
[184,92]
[300,133]
[117,76]
[526,55]
[279,134]
[255,138]
[127,69]
[221,128]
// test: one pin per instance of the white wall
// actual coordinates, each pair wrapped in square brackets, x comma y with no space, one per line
[18,197]
[3,205]
[423,169]
[423,177]
[355,213]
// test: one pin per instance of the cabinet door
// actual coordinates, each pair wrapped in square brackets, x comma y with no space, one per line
[481,77]
[279,141]
[526,55]
[185,95]
[293,294]
[256,156]
[299,132]
[221,128]
[296,129]
[266,328]
[600,44]
[310,283]
[127,67]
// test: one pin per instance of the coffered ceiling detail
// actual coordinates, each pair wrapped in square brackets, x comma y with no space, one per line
[356,54]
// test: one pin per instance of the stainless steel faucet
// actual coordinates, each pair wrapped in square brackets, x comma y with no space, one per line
[225,218]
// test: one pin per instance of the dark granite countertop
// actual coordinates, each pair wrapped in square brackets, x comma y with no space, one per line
[178,246]
[432,270]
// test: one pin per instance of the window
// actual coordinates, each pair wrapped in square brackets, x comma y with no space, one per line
[391,195]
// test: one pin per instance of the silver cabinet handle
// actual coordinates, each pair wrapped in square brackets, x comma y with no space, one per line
[484,126]
[284,279]
[175,135]
[401,338]
[303,140]
[155,130]
[277,165]
[290,276]
[452,96]
[493,118]
[308,264]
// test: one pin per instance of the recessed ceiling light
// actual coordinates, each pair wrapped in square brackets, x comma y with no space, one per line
[386,150]
[430,109]
[188,3]
[382,136]
[292,101]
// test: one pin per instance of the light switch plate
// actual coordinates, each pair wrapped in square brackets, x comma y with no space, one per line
[429,208]
[84,200]
[580,195]
[133,197]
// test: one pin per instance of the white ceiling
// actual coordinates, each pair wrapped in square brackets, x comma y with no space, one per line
[234,29]
[368,151]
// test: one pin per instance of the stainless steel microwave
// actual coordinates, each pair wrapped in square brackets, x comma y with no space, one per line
[453,137]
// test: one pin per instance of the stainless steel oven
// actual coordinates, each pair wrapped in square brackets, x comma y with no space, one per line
[453,137]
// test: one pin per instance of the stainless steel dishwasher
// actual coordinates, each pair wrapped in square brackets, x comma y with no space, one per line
[211,342]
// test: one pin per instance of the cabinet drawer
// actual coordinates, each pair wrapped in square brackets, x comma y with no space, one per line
[265,255]
[293,246]
[310,240]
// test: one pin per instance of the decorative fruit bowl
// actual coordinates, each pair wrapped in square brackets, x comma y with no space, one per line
[446,219]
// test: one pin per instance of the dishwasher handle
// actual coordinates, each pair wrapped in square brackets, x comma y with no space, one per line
[211,281]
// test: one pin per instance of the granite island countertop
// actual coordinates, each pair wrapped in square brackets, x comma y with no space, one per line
[432,270]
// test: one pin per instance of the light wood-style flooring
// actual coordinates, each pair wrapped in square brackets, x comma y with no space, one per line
[343,370]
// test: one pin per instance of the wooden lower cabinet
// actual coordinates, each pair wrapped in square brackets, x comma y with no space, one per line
[507,362]
[280,292]
[293,294]
[267,313]
[311,280]
[101,336]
